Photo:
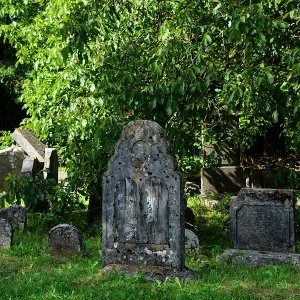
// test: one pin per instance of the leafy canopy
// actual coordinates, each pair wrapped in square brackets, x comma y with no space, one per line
[208,71]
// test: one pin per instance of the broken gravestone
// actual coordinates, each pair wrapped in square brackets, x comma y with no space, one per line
[143,204]
[6,233]
[262,227]
[65,239]
[30,143]
[15,215]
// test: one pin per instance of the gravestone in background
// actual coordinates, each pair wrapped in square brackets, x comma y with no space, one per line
[6,233]
[262,228]
[191,241]
[15,215]
[51,164]
[30,167]
[143,204]
[65,239]
[11,160]
[263,220]
[29,143]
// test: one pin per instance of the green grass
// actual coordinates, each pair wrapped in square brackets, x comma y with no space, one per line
[28,271]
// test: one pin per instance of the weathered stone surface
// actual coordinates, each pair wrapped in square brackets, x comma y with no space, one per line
[226,179]
[152,273]
[263,220]
[51,164]
[65,239]
[15,215]
[11,160]
[29,143]
[258,258]
[191,241]
[6,234]
[143,205]
[30,167]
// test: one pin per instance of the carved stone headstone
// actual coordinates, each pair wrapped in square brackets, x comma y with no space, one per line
[6,233]
[143,205]
[51,164]
[65,239]
[29,143]
[15,215]
[263,220]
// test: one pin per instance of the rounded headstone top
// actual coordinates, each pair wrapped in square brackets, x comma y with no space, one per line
[191,241]
[65,239]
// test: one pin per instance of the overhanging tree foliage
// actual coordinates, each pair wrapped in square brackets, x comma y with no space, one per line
[208,71]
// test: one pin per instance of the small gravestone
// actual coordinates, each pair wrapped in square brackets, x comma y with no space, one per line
[262,227]
[143,204]
[51,164]
[29,143]
[191,241]
[11,160]
[15,215]
[6,234]
[30,167]
[65,239]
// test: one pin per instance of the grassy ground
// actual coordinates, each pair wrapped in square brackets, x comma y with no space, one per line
[28,271]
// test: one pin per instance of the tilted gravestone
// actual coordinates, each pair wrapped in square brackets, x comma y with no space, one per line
[143,204]
[262,228]
[263,220]
[30,143]
[6,233]
[15,215]
[65,239]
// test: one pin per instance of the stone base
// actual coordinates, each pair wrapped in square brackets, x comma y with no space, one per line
[258,258]
[229,179]
[155,272]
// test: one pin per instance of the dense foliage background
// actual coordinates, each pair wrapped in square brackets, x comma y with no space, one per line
[208,71]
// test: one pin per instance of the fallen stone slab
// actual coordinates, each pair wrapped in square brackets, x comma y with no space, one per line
[258,258]
[30,143]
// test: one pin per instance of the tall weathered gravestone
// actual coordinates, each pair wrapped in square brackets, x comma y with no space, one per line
[262,227]
[143,204]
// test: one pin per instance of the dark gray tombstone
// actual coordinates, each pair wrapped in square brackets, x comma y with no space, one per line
[15,215]
[262,228]
[143,204]
[263,220]
[29,143]
[65,239]
[6,233]
[51,164]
